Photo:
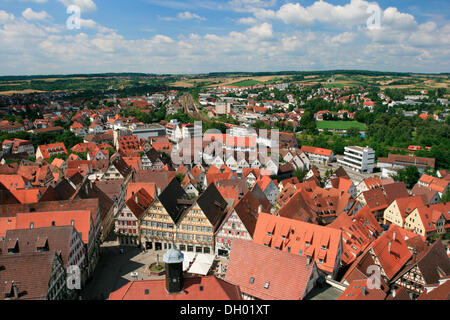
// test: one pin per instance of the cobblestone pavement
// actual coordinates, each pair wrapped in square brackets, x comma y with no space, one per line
[114,269]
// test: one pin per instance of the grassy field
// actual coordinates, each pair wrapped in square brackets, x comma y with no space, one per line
[245,83]
[340,125]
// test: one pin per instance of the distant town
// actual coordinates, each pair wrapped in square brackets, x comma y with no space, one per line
[331,185]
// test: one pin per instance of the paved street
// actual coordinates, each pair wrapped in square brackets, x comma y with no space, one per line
[114,270]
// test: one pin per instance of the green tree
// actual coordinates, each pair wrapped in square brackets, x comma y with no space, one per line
[446,196]
[300,174]
[409,176]
[180,177]
[353,132]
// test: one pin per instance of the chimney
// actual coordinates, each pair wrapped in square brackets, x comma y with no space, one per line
[364,291]
[15,290]
[389,246]
[260,208]
[393,236]
[308,261]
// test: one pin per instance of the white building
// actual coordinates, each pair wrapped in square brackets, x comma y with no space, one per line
[359,159]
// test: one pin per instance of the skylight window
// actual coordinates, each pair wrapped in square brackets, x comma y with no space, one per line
[252,280]
[266,286]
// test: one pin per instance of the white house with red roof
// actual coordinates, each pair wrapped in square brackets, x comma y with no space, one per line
[318,154]
[44,152]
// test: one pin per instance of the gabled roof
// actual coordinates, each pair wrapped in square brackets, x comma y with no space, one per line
[121,166]
[30,272]
[407,204]
[301,237]
[213,205]
[433,264]
[341,173]
[134,187]
[297,208]
[318,151]
[267,273]
[175,200]
[429,214]
[375,199]
[59,239]
[6,197]
[358,290]
[160,179]
[356,236]
[90,191]
[248,209]
[442,292]
[139,202]
[426,193]
[391,251]
[395,191]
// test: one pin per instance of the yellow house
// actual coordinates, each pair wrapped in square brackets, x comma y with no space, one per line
[196,228]
[428,220]
[158,223]
[173,218]
[400,208]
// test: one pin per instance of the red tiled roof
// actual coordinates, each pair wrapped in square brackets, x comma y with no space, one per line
[301,233]
[356,236]
[195,288]
[314,150]
[375,199]
[358,290]
[50,149]
[267,273]
[82,220]
[392,259]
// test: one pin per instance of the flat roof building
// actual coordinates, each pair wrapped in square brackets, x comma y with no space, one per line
[359,159]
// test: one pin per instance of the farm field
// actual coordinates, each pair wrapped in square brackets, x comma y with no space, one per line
[246,83]
[340,125]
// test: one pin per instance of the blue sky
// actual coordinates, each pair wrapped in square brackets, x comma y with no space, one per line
[197,36]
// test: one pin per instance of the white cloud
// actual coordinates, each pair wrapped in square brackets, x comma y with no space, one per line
[91,24]
[295,14]
[400,21]
[188,15]
[85,5]
[248,20]
[29,14]
[343,38]
[250,5]
[353,13]
[263,31]
[344,42]
[6,17]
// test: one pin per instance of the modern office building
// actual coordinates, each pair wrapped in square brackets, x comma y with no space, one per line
[359,159]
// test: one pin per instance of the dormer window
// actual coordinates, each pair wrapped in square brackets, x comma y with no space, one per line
[42,245]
